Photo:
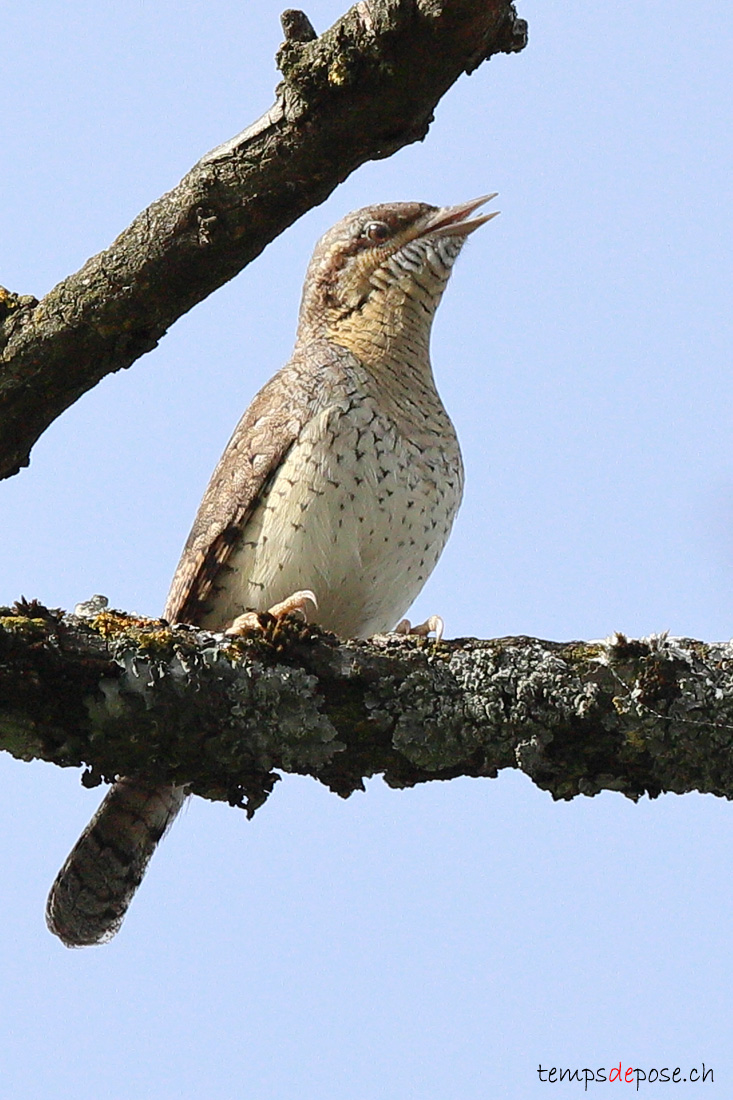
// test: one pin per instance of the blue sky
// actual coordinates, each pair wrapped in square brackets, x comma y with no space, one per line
[443,941]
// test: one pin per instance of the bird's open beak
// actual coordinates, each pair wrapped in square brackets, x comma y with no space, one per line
[455,221]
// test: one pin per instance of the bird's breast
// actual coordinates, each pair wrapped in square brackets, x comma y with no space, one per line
[359,511]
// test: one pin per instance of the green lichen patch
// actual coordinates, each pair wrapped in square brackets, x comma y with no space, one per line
[12,303]
[24,626]
[146,633]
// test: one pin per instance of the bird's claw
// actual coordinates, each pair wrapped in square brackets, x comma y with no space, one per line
[433,625]
[296,604]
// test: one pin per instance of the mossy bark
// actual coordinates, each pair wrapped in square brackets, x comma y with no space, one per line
[119,695]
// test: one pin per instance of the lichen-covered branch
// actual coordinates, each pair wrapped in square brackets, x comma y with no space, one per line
[121,695]
[360,91]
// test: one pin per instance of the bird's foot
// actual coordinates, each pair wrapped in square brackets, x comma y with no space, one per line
[250,621]
[433,625]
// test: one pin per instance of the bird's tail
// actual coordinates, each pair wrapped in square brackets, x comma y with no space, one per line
[96,884]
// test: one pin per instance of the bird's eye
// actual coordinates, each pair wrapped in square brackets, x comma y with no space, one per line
[376,232]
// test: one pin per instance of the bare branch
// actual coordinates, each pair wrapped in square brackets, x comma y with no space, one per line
[122,695]
[362,90]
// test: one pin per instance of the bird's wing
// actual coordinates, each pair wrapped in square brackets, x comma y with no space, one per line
[259,444]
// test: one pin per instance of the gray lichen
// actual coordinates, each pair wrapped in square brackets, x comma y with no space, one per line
[118,694]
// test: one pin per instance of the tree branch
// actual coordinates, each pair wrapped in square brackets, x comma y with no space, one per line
[362,90]
[121,695]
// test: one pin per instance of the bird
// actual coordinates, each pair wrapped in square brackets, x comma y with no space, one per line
[333,499]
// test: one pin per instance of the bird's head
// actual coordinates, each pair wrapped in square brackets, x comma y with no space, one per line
[379,273]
